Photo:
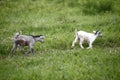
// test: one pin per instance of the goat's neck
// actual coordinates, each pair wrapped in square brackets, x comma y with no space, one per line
[95,36]
[36,39]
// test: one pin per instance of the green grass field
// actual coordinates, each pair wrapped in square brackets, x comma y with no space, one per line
[57,20]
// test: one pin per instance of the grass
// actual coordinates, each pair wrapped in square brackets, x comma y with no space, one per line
[63,64]
[54,59]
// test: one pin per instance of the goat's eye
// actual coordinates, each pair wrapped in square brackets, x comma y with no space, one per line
[41,38]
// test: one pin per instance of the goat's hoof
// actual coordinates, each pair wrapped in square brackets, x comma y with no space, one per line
[89,48]
[82,48]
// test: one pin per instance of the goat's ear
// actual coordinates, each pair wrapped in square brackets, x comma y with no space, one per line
[94,31]
[17,33]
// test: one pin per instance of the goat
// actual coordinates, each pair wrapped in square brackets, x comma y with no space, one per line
[85,37]
[24,40]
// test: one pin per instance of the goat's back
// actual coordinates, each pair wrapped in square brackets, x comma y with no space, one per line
[84,33]
[25,38]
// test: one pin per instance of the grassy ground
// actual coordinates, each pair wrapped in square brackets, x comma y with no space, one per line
[54,59]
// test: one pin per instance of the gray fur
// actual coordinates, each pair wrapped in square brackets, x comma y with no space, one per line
[24,40]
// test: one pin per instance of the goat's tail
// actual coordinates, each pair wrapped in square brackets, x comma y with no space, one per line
[16,35]
[76,32]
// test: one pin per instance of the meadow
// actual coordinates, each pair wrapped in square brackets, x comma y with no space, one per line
[57,20]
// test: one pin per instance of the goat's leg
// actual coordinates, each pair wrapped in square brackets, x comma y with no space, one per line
[81,42]
[28,52]
[90,45]
[76,39]
[31,49]
[13,49]
[22,50]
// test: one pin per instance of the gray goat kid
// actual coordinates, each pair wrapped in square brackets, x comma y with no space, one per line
[24,40]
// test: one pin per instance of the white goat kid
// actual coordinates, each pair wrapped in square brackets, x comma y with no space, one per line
[86,37]
[24,40]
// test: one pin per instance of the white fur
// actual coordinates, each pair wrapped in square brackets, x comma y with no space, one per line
[86,37]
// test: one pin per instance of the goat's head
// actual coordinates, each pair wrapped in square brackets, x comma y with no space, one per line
[40,38]
[98,33]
